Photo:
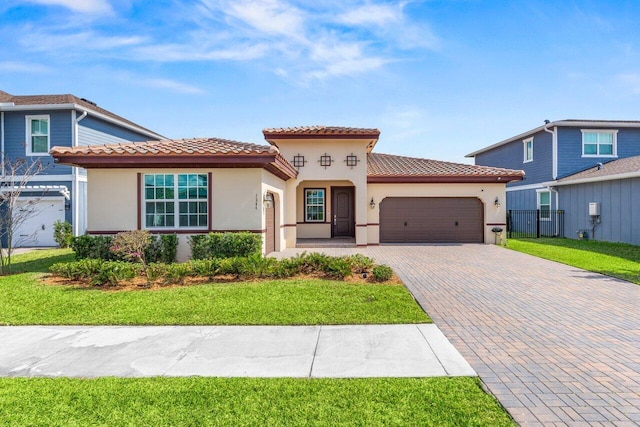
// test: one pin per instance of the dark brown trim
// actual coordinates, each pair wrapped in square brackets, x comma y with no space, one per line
[210,201]
[304,206]
[373,244]
[361,246]
[139,202]
[454,179]
[377,224]
[495,223]
[288,225]
[361,225]
[110,232]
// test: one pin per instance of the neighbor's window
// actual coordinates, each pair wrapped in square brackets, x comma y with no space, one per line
[528,150]
[37,135]
[599,142]
[175,200]
[544,204]
[314,202]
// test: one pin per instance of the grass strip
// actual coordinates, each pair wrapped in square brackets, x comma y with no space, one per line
[618,260]
[248,402]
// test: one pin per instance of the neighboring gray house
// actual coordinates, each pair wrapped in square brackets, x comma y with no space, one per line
[29,127]
[551,155]
[615,186]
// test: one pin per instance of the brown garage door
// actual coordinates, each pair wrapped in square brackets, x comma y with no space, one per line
[431,220]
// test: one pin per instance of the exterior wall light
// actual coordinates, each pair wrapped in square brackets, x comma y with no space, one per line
[267,201]
[372,203]
[496,203]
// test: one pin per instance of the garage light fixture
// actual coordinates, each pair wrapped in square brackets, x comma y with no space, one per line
[372,203]
[496,203]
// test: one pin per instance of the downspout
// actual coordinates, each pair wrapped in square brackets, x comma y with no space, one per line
[76,181]
[554,149]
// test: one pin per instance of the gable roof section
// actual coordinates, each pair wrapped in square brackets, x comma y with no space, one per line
[320,132]
[566,122]
[22,102]
[628,167]
[387,168]
[177,153]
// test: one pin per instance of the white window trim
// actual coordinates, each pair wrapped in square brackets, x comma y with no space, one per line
[615,142]
[324,206]
[175,201]
[538,204]
[524,144]
[28,134]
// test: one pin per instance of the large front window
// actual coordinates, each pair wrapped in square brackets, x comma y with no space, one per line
[37,135]
[598,143]
[176,200]
[314,203]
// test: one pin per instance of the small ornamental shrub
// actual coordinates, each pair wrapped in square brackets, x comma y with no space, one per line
[113,272]
[230,266]
[314,262]
[382,273]
[337,268]
[78,270]
[205,267]
[62,233]
[257,266]
[174,274]
[225,245]
[155,271]
[360,263]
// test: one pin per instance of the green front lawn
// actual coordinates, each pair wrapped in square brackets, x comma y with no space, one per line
[613,259]
[248,402]
[26,300]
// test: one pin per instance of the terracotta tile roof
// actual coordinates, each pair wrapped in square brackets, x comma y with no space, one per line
[321,131]
[183,153]
[390,168]
[66,99]
[629,165]
[172,147]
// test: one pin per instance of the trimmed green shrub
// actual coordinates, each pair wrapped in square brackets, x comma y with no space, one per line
[231,266]
[77,270]
[62,233]
[155,271]
[382,273]
[225,245]
[176,273]
[113,272]
[93,247]
[257,266]
[168,248]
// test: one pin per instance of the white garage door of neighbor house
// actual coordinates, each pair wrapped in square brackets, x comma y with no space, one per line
[37,227]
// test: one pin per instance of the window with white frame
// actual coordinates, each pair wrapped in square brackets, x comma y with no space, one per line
[176,200]
[544,204]
[314,204]
[37,135]
[528,150]
[599,143]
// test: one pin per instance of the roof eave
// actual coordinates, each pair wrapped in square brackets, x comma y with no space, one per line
[626,175]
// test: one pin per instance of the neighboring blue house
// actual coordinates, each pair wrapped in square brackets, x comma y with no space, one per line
[550,154]
[29,127]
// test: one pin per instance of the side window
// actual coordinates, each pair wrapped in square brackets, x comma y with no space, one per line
[599,143]
[544,204]
[528,150]
[37,137]
[314,204]
[175,201]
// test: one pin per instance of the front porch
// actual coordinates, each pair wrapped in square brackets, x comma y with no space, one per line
[336,242]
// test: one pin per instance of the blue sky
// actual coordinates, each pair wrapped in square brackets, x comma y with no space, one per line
[438,78]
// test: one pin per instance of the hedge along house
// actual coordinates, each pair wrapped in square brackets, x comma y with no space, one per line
[311,183]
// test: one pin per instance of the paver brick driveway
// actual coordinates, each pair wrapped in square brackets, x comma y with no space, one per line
[555,344]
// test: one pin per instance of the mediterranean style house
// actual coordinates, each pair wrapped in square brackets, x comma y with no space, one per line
[29,127]
[312,182]
[574,166]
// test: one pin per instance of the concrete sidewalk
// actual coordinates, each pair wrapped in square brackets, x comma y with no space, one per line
[229,351]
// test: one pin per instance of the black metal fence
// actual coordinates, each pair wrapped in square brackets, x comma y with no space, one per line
[535,223]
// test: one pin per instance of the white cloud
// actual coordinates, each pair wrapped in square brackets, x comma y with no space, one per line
[376,14]
[72,42]
[92,7]
[268,16]
[173,86]
[23,67]
[334,58]
[191,52]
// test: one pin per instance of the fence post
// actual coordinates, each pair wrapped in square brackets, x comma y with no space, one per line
[509,227]
[537,223]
